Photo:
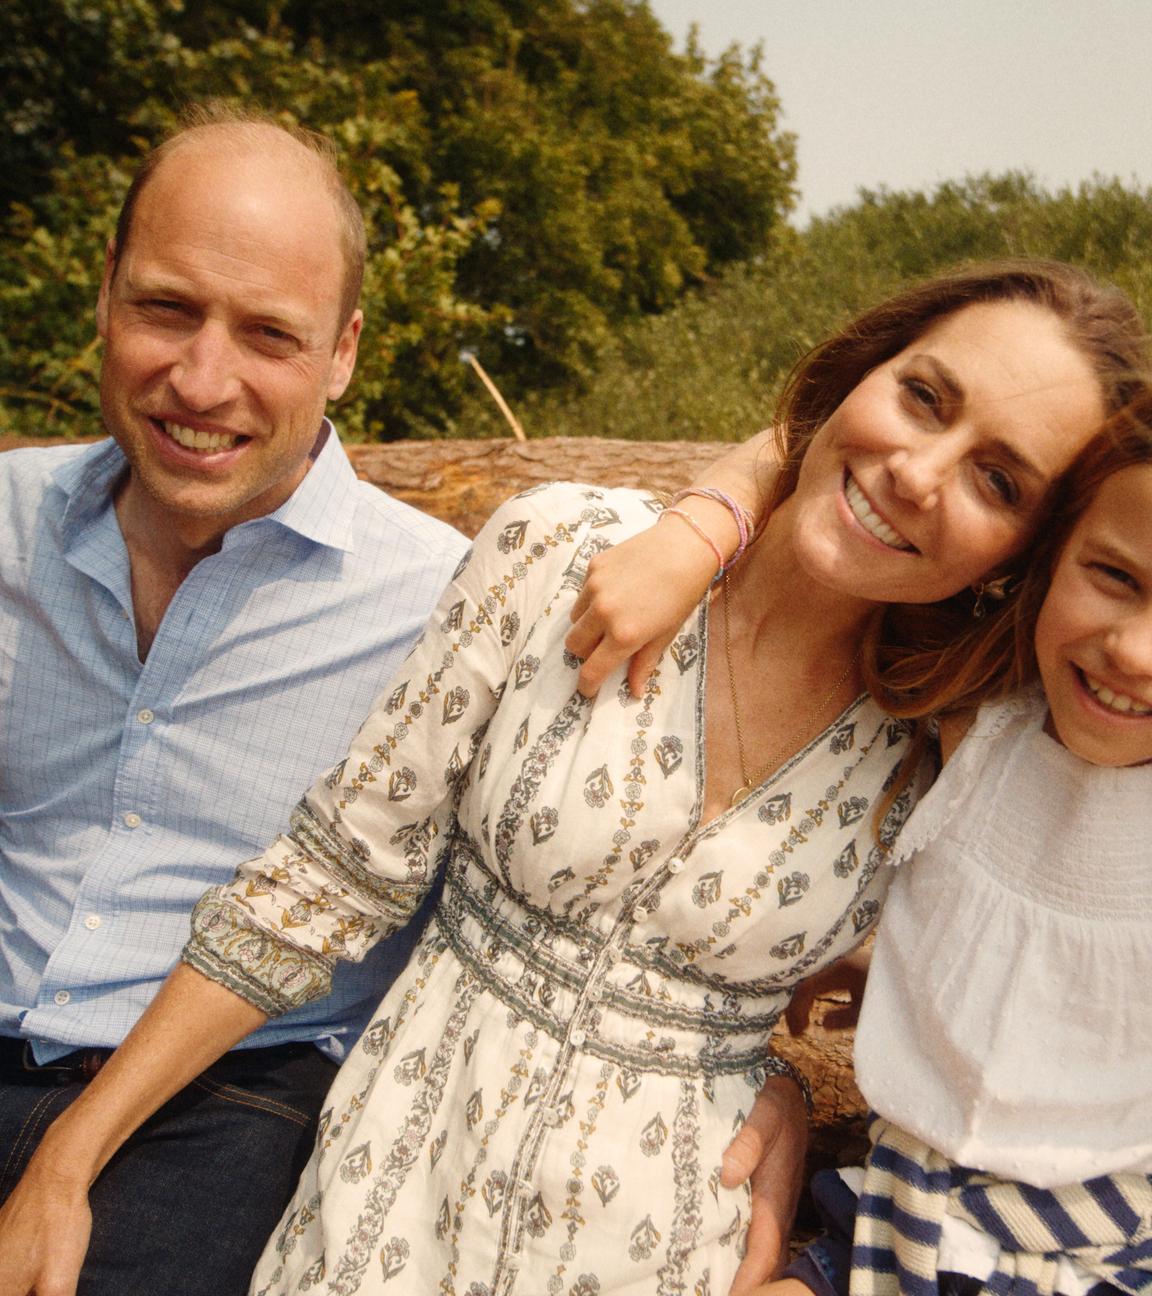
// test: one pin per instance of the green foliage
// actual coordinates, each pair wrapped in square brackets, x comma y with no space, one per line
[712,368]
[532,176]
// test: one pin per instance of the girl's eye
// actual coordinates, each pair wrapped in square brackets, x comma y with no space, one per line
[1115,575]
[1003,485]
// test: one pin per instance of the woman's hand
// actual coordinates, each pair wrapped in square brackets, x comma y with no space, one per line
[636,597]
[768,1151]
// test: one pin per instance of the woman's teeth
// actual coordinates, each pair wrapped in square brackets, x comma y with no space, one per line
[191,439]
[1116,701]
[870,520]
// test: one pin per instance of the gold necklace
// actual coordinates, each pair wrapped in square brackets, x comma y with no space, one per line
[751,781]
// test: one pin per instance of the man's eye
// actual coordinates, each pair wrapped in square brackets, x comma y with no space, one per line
[276,336]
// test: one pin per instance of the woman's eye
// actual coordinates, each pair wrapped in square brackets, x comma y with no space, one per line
[922,393]
[1003,485]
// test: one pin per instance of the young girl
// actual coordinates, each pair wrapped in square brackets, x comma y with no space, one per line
[1004,1025]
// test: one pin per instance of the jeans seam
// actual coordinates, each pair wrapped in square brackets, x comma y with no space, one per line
[243,1098]
[33,1119]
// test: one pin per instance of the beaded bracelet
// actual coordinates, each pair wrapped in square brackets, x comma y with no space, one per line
[774,1065]
[741,516]
[680,513]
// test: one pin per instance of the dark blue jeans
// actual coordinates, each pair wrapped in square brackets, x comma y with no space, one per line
[185,1207]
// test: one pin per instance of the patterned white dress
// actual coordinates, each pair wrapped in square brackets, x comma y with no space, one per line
[541,1104]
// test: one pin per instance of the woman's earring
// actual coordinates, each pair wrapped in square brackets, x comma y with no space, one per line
[996,591]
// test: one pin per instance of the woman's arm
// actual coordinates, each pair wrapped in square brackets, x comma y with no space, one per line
[45,1223]
[638,593]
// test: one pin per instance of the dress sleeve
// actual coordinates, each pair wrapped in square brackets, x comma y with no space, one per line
[364,843]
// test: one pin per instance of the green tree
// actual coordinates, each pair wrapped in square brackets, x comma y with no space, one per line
[712,368]
[532,175]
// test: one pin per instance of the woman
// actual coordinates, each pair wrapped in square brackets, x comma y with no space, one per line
[632,886]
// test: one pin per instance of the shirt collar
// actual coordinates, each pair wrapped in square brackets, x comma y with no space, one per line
[321,509]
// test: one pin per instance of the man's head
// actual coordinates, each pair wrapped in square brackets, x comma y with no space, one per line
[229,320]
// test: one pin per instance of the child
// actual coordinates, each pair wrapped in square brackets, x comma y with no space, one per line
[1005,1025]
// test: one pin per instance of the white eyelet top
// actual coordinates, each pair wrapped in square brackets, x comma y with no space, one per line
[1007,1021]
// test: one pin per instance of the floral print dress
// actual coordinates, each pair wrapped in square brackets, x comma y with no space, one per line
[543,1099]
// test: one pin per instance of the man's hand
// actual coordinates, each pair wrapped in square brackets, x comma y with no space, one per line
[769,1150]
[44,1230]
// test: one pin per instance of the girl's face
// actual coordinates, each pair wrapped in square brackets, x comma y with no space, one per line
[1094,633]
[936,467]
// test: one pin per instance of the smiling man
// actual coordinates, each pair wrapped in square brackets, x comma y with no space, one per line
[195,617]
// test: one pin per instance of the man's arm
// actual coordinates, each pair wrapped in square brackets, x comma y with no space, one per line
[45,1223]
[769,1152]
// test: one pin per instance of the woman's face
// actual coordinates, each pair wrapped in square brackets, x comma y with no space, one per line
[936,467]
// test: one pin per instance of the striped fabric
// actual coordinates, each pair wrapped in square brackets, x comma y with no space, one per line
[1105,1225]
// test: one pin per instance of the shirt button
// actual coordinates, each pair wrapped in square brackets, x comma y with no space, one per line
[62,997]
[676,865]
[145,716]
[93,921]
[132,820]
[578,1037]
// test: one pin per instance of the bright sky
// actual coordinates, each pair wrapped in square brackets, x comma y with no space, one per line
[906,93]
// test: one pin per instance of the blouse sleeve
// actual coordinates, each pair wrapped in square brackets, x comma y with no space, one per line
[947,796]
[363,844]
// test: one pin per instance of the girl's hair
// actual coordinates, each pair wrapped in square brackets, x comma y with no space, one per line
[1100,322]
[939,658]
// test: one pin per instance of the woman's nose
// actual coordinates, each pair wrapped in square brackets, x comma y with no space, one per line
[918,474]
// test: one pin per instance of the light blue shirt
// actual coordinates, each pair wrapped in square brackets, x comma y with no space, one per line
[128,787]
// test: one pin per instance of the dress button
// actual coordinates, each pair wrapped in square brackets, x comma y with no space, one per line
[62,997]
[145,716]
[639,914]
[676,865]
[132,820]
[93,921]
[578,1037]
[595,993]
[550,1116]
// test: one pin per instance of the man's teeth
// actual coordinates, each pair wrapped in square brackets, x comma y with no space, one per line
[191,439]
[1116,701]
[870,520]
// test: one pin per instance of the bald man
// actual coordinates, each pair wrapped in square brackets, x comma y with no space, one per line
[195,616]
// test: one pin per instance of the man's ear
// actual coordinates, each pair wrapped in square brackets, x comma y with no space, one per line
[105,288]
[344,359]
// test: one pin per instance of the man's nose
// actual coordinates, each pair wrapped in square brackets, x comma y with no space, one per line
[206,373]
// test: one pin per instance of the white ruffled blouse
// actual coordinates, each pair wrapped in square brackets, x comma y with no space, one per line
[1007,1021]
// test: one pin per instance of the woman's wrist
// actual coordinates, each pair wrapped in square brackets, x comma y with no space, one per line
[708,527]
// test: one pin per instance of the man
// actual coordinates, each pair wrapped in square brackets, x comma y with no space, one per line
[194,619]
